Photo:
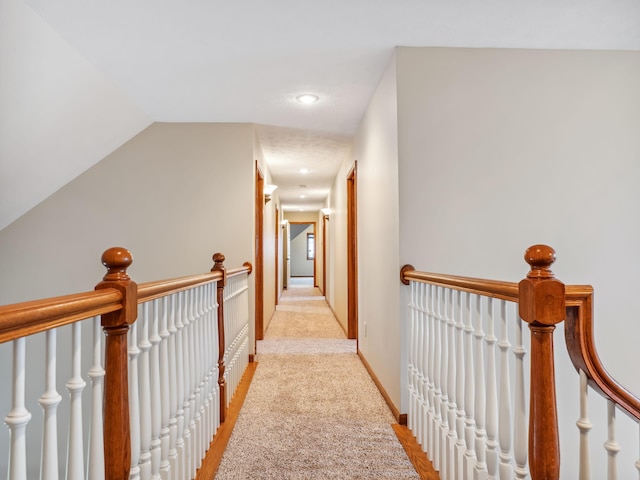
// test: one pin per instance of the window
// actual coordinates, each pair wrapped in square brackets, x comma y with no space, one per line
[311,246]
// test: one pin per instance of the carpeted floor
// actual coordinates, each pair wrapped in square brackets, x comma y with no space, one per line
[312,411]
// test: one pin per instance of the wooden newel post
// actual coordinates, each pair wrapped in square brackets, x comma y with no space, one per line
[218,265]
[117,438]
[542,306]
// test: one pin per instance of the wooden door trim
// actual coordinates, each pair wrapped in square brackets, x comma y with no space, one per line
[352,253]
[259,264]
[277,289]
[325,223]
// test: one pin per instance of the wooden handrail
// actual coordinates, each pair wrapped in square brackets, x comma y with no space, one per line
[152,290]
[582,351]
[489,288]
[543,302]
[27,318]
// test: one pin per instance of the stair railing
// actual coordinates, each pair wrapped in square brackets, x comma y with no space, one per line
[156,399]
[466,372]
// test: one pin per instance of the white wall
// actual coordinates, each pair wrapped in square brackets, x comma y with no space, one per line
[502,149]
[59,114]
[375,147]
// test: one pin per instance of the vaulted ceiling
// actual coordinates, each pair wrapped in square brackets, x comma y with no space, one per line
[80,78]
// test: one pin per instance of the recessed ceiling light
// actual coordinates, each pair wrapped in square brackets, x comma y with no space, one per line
[302,196]
[303,171]
[307,98]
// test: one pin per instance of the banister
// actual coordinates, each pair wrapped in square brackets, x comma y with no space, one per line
[246,267]
[490,288]
[27,318]
[581,346]
[152,290]
[544,302]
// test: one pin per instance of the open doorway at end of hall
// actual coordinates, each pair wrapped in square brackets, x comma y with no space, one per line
[302,254]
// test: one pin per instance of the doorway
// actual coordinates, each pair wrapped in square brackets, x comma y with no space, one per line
[302,253]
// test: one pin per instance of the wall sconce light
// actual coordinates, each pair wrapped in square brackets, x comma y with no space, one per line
[267,190]
[325,211]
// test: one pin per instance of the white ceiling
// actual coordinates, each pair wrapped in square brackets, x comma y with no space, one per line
[246,60]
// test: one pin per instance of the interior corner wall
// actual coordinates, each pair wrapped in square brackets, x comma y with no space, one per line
[375,147]
[502,149]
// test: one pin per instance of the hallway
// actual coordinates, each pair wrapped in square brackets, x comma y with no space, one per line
[312,410]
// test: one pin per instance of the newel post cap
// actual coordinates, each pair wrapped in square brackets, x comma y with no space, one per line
[117,260]
[542,296]
[218,266]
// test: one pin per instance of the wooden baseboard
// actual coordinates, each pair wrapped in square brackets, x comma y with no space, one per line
[252,358]
[213,457]
[401,418]
[418,458]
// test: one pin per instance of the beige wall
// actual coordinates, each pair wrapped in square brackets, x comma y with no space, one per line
[502,149]
[173,195]
[375,147]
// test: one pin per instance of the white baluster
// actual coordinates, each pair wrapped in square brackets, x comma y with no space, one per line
[192,385]
[18,418]
[611,445]
[520,432]
[49,402]
[451,385]
[504,400]
[460,393]
[154,377]
[480,398]
[411,365]
[200,362]
[165,404]
[134,400]
[75,386]
[180,392]
[492,395]
[431,341]
[437,371]
[173,388]
[145,395]
[584,426]
[469,392]
[422,357]
[188,411]
[444,381]
[95,468]
[208,364]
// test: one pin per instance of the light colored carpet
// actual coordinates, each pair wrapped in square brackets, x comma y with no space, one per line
[312,411]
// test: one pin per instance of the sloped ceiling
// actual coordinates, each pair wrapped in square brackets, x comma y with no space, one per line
[79,78]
